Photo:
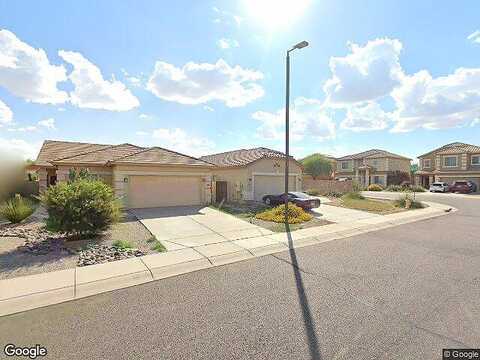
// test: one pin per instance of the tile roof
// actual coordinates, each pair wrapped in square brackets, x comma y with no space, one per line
[454,148]
[52,150]
[371,154]
[242,157]
[65,152]
[101,156]
[160,156]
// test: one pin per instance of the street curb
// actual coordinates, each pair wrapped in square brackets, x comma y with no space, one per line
[34,291]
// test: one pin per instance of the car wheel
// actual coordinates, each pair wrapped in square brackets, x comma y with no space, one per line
[268,201]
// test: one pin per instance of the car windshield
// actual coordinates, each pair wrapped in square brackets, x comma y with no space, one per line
[299,195]
[437,184]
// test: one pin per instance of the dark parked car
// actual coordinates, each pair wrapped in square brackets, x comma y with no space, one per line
[472,185]
[461,187]
[300,199]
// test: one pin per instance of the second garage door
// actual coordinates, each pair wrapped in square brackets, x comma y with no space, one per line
[270,184]
[156,191]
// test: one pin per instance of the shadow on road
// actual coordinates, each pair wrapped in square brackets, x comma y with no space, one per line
[308,319]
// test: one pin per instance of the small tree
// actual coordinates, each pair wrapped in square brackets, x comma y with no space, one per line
[80,207]
[317,165]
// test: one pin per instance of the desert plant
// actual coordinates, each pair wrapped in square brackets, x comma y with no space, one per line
[313,192]
[17,209]
[81,207]
[295,214]
[374,187]
[317,165]
[122,244]
[407,202]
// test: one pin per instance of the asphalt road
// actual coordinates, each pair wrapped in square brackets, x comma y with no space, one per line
[400,293]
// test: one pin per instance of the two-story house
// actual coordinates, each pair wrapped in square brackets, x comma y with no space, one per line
[451,162]
[371,166]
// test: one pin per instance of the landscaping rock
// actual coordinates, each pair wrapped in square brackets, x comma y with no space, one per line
[98,254]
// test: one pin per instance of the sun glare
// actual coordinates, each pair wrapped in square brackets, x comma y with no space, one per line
[275,14]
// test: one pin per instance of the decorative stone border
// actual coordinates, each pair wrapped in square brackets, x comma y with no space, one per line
[30,292]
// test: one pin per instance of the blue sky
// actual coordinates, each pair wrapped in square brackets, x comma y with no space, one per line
[208,76]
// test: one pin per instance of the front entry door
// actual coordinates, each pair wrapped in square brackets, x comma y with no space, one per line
[221,191]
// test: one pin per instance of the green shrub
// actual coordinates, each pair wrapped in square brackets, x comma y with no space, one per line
[332,193]
[80,207]
[296,214]
[407,202]
[374,187]
[354,195]
[356,187]
[17,209]
[122,244]
[395,188]
[418,188]
[313,192]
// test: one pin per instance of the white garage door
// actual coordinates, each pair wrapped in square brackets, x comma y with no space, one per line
[270,184]
[157,191]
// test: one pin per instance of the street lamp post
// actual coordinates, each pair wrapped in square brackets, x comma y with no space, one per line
[300,45]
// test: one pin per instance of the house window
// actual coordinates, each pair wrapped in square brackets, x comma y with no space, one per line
[344,165]
[475,160]
[450,161]
[427,163]
[376,179]
[375,163]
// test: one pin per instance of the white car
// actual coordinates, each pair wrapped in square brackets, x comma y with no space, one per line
[439,187]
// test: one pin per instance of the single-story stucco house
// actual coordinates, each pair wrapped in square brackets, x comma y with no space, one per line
[154,177]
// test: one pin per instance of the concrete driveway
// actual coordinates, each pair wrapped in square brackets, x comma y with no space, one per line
[191,226]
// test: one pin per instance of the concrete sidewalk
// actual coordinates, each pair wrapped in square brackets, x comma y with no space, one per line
[29,292]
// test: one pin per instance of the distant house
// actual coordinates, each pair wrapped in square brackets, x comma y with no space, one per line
[371,166]
[451,162]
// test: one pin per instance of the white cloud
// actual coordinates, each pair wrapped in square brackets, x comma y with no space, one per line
[141,133]
[366,117]
[436,103]
[366,74]
[26,72]
[178,140]
[91,90]
[6,115]
[144,116]
[307,118]
[226,17]
[474,37]
[208,108]
[18,148]
[475,122]
[48,123]
[225,43]
[199,83]
[23,129]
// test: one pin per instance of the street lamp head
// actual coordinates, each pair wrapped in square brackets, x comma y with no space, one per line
[301,45]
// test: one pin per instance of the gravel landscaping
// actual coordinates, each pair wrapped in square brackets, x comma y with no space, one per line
[28,248]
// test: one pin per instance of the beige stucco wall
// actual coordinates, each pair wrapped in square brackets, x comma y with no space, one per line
[103,172]
[398,165]
[121,174]
[238,184]
[240,180]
